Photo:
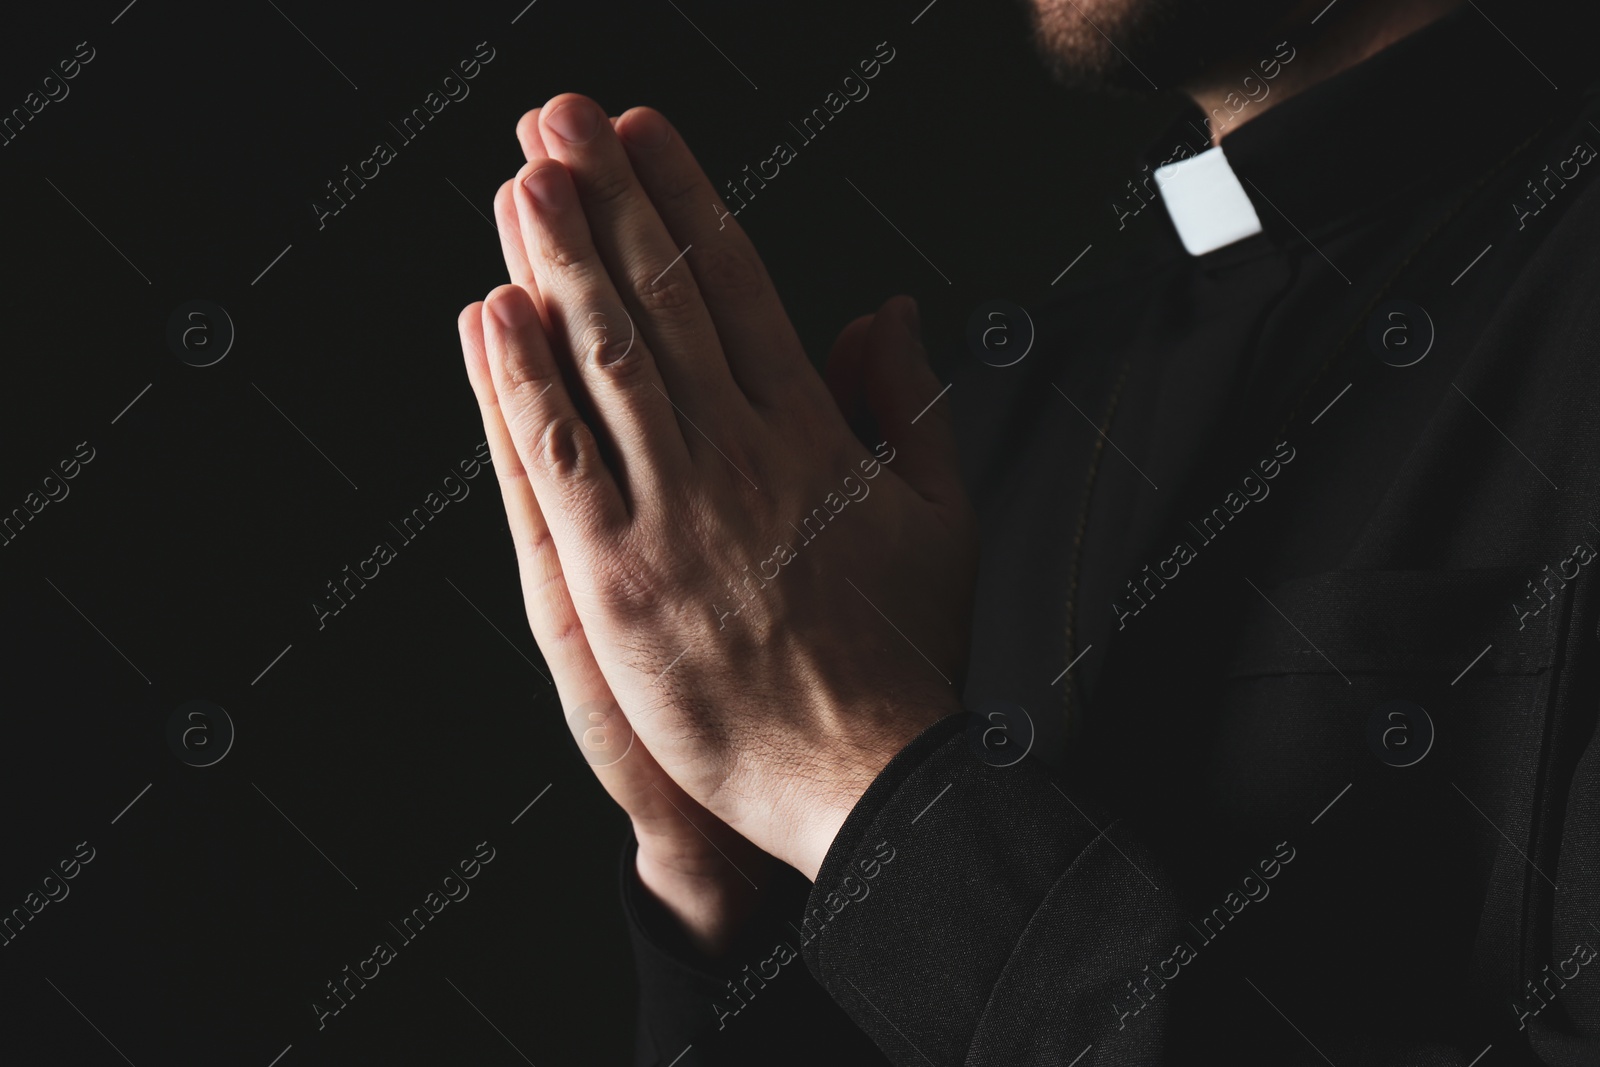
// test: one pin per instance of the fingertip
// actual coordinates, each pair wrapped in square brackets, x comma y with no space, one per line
[842,372]
[555,101]
[508,306]
[505,203]
[897,354]
[470,325]
[897,375]
[902,309]
[644,128]
[570,118]
[548,185]
[913,316]
[529,137]
[889,327]
[846,350]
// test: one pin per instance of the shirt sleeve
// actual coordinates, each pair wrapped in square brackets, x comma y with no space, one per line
[969,913]
[985,916]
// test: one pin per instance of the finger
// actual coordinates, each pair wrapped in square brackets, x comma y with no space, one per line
[518,268]
[552,616]
[575,491]
[507,223]
[842,372]
[505,211]
[587,317]
[550,611]
[764,353]
[910,404]
[528,136]
[510,227]
[530,139]
[651,273]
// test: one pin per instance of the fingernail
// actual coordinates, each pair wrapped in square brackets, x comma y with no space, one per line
[575,121]
[648,130]
[913,318]
[548,186]
[509,311]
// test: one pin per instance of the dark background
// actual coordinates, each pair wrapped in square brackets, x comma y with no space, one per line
[187,554]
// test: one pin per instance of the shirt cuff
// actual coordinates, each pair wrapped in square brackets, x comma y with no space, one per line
[971,910]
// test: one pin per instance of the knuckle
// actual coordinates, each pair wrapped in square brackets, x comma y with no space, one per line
[606,186]
[566,446]
[623,366]
[631,586]
[512,474]
[734,271]
[547,585]
[596,343]
[684,187]
[673,298]
[564,256]
[540,543]
[525,377]
[569,630]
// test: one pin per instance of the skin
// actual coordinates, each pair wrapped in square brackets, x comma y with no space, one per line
[658,433]
[1208,50]
[641,479]
[1364,31]
[689,859]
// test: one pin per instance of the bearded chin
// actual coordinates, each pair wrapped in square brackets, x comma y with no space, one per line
[1140,47]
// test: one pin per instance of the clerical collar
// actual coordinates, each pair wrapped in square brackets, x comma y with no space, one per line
[1208,206]
[1436,104]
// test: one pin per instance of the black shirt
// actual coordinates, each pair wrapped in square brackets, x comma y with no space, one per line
[1318,785]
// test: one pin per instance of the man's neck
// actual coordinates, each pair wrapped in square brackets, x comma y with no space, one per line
[1241,88]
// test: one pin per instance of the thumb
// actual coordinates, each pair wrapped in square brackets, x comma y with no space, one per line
[910,404]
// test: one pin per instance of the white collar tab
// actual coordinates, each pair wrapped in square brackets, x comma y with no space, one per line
[1206,203]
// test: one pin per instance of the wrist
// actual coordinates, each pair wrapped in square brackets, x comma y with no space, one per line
[820,803]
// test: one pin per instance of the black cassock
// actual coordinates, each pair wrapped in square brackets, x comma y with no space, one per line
[1312,517]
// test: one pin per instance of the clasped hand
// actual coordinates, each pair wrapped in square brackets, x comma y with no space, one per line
[705,545]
